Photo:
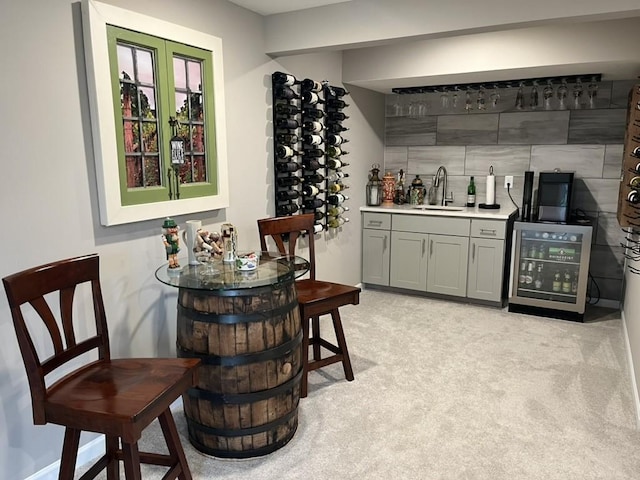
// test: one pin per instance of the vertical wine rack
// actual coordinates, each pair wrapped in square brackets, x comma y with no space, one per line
[629,193]
[308,145]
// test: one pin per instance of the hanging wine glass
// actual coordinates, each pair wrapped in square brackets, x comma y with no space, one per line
[593,92]
[454,98]
[396,106]
[444,99]
[520,97]
[562,95]
[547,95]
[534,98]
[495,96]
[480,99]
[467,101]
[577,93]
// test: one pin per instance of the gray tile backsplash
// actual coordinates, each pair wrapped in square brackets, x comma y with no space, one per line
[585,140]
[530,128]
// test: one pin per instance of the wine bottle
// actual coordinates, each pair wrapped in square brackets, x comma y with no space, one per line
[337,91]
[287,209]
[285,151]
[317,228]
[311,85]
[335,222]
[288,123]
[287,109]
[314,178]
[471,194]
[336,116]
[556,286]
[318,215]
[313,113]
[336,128]
[334,151]
[282,78]
[312,203]
[287,93]
[336,199]
[312,139]
[336,211]
[289,181]
[335,176]
[313,152]
[333,139]
[311,98]
[311,164]
[566,282]
[313,127]
[284,167]
[287,138]
[337,187]
[309,190]
[336,103]
[335,164]
[285,195]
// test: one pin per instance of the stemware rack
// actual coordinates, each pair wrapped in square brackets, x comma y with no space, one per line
[629,192]
[308,141]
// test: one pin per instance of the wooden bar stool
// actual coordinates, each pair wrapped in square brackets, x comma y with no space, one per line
[118,397]
[315,297]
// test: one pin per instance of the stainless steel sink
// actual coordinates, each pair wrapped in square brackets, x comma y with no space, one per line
[439,207]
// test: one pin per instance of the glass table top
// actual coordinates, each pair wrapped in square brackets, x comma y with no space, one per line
[272,268]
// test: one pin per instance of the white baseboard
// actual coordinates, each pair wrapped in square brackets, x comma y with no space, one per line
[86,453]
[634,385]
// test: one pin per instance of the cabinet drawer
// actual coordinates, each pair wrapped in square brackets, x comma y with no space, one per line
[380,221]
[488,228]
[427,224]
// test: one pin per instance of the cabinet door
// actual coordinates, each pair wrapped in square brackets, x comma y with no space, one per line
[409,260]
[448,265]
[486,267]
[375,256]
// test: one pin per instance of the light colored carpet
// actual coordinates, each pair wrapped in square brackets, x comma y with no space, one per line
[454,391]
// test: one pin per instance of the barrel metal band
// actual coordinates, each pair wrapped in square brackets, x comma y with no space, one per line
[255,452]
[233,361]
[240,398]
[239,432]
[233,318]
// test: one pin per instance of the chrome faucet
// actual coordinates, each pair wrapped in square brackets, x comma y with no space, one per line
[441,174]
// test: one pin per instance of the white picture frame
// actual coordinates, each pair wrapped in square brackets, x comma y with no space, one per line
[95,18]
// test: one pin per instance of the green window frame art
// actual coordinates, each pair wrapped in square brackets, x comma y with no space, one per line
[151,83]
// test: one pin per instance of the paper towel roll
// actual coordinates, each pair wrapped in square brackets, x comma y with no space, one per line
[491,189]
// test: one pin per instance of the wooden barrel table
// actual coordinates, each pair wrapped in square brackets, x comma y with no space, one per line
[246,329]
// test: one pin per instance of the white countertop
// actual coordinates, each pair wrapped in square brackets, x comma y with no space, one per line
[502,213]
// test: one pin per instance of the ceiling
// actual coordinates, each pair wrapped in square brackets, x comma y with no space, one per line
[270,7]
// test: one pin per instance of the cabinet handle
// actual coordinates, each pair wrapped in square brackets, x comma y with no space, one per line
[375,222]
[473,253]
[431,249]
[423,245]
[487,231]
[384,243]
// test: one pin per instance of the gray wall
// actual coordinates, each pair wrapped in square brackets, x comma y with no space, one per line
[49,195]
[585,140]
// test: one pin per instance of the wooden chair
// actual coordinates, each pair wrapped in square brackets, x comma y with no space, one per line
[315,297]
[118,397]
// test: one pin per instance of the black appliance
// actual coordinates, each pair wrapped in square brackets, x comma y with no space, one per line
[554,196]
[527,196]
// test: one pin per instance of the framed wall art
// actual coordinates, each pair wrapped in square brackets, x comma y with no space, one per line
[156,95]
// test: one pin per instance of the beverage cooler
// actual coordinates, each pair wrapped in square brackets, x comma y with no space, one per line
[550,269]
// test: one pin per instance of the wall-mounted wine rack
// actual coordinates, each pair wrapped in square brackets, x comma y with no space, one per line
[308,149]
[629,193]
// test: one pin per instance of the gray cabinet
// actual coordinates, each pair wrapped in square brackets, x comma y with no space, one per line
[447,272]
[409,260]
[376,247]
[447,255]
[486,260]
